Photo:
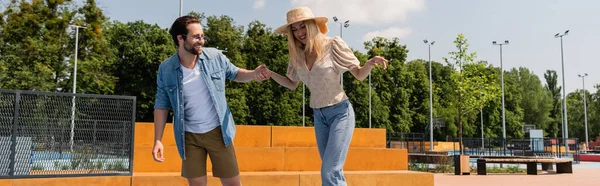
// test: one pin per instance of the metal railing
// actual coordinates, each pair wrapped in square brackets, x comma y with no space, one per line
[48,134]
[413,142]
[538,147]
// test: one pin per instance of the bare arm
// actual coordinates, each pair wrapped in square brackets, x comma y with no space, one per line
[160,120]
[361,73]
[244,75]
[283,81]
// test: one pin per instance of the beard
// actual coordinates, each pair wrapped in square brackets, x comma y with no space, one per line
[193,49]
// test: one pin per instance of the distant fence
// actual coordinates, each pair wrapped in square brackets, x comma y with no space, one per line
[541,147]
[47,134]
[412,142]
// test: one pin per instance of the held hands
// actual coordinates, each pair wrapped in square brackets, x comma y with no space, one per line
[262,73]
[376,61]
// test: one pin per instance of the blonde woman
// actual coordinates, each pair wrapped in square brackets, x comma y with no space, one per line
[318,61]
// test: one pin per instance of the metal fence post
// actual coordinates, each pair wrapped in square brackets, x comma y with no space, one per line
[13,139]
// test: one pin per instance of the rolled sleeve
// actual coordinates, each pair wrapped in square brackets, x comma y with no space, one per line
[161,99]
[231,70]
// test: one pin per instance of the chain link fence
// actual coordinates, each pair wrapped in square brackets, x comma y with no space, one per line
[44,134]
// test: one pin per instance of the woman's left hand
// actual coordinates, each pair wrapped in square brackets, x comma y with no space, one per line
[377,60]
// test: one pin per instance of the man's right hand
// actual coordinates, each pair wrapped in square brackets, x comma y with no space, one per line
[158,151]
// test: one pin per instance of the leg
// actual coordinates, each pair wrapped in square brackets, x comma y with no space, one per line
[194,165]
[233,181]
[321,131]
[198,181]
[340,135]
[223,159]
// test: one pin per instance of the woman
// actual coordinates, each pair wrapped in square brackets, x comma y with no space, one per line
[318,61]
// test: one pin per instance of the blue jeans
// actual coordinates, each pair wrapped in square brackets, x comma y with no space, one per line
[334,126]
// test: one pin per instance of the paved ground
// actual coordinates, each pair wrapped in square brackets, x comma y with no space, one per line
[584,174]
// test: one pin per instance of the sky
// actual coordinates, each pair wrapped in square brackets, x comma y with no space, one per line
[529,26]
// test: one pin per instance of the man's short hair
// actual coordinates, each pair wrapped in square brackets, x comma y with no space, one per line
[179,27]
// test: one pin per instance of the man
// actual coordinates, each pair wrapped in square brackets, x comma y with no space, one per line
[192,83]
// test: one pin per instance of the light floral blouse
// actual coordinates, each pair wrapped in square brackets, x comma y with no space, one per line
[323,79]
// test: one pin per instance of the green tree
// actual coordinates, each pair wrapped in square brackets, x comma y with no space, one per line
[537,101]
[390,84]
[552,87]
[94,72]
[473,87]
[34,40]
[137,49]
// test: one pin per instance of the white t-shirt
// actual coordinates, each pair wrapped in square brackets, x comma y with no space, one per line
[200,114]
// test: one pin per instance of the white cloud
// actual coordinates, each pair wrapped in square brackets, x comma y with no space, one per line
[259,4]
[363,11]
[388,33]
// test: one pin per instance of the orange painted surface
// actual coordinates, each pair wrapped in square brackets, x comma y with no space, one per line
[87,181]
[246,135]
[290,136]
[251,159]
[379,178]
[7,182]
[309,178]
[252,136]
[302,159]
[307,159]
[144,135]
[143,161]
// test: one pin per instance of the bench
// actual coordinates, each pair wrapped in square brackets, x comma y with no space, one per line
[562,165]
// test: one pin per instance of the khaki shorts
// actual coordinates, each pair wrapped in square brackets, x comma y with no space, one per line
[197,146]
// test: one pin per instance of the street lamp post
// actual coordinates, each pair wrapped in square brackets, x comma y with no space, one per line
[430,97]
[180,8]
[76,27]
[585,110]
[565,124]
[345,24]
[502,84]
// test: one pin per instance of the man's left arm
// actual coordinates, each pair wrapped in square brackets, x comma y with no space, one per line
[243,75]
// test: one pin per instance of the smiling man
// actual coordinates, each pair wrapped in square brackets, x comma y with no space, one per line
[192,83]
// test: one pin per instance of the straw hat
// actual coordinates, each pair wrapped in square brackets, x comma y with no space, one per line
[302,14]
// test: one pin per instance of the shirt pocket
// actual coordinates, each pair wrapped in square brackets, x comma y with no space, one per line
[218,79]
[171,92]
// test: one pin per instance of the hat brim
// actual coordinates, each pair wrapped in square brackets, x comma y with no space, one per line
[321,23]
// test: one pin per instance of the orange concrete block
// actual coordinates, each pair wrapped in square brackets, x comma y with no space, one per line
[158,179]
[307,159]
[379,178]
[247,178]
[361,159]
[7,182]
[252,159]
[368,138]
[144,135]
[246,135]
[144,162]
[302,159]
[252,136]
[289,136]
[91,181]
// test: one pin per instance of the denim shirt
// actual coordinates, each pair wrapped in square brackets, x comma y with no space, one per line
[215,68]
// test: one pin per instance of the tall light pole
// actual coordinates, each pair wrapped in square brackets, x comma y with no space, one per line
[180,8]
[76,27]
[585,110]
[502,79]
[565,124]
[430,97]
[345,24]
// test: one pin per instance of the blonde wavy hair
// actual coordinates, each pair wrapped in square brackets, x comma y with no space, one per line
[316,41]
